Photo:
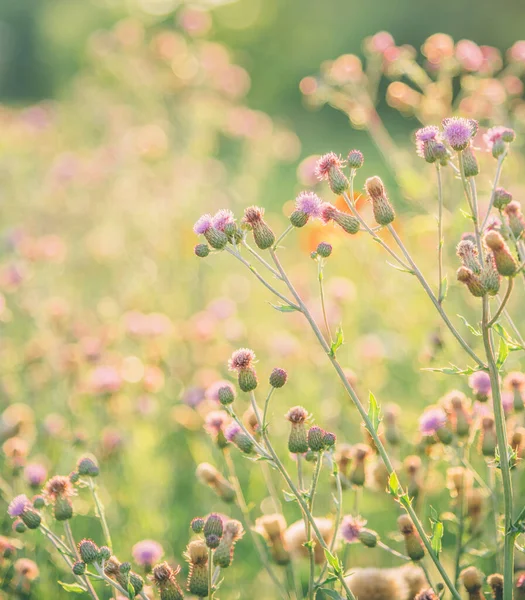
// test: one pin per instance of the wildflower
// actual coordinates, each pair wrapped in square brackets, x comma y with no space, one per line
[433,419]
[27,569]
[215,424]
[458,409]
[495,582]
[316,438]
[222,219]
[164,578]
[458,132]
[272,528]
[223,555]
[383,211]
[262,234]
[295,538]
[497,139]
[429,145]
[505,263]
[490,278]
[329,168]
[475,501]
[197,525]
[88,467]
[351,528]
[220,390]
[480,384]
[343,459]
[472,579]
[329,439]
[21,507]
[324,249]
[202,250]
[472,281]
[237,436]
[468,253]
[488,440]
[88,551]
[197,556]
[515,381]
[298,439]
[35,474]
[360,453]
[18,505]
[241,362]
[379,584]
[278,378]
[413,544]
[470,163]
[412,464]
[355,159]
[515,218]
[79,567]
[307,205]
[147,552]
[459,481]
[347,222]
[427,595]
[105,380]
[215,238]
[392,433]
[209,475]
[501,198]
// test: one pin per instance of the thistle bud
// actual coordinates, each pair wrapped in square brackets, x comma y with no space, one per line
[213,525]
[262,234]
[470,163]
[104,553]
[413,544]
[79,568]
[412,466]
[201,250]
[272,528]
[125,568]
[472,281]
[197,525]
[324,249]
[278,378]
[505,263]
[490,278]
[316,438]
[368,538]
[233,532]
[392,433]
[237,436]
[472,579]
[19,526]
[241,361]
[74,477]
[63,508]
[209,475]
[329,168]
[501,198]
[39,502]
[459,481]
[475,502]
[347,222]
[383,211]
[495,582]
[360,453]
[212,541]
[136,581]
[88,551]
[299,218]
[31,518]
[197,556]
[515,217]
[468,253]
[298,439]
[226,395]
[87,467]
[355,159]
[164,578]
[488,440]
[247,379]
[329,439]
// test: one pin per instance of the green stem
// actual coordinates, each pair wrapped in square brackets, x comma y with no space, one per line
[210,573]
[501,308]
[101,513]
[383,546]
[261,259]
[494,187]
[311,498]
[461,526]
[71,542]
[282,236]
[323,305]
[441,291]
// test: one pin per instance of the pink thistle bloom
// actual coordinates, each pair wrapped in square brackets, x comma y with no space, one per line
[515,381]
[351,527]
[215,421]
[458,131]
[480,383]
[35,474]
[105,380]
[309,203]
[431,420]
[147,552]
[18,505]
[326,163]
[232,431]
[203,224]
[425,135]
[507,401]
[212,392]
[241,359]
[222,218]
[496,134]
[328,212]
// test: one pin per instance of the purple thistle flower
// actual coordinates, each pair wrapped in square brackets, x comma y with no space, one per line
[496,134]
[431,420]
[221,218]
[309,203]
[507,401]
[232,431]
[212,391]
[35,474]
[458,131]
[480,383]
[18,505]
[147,552]
[203,224]
[351,527]
[425,135]
[215,421]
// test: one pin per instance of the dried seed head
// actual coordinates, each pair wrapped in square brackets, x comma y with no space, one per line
[495,582]
[472,579]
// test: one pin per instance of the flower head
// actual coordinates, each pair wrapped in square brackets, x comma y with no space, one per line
[215,421]
[214,390]
[351,527]
[35,474]
[232,431]
[297,415]
[241,359]
[497,134]
[147,552]
[458,131]
[480,383]
[18,505]
[326,163]
[58,486]
[203,224]
[431,420]
[222,218]
[309,203]
[253,215]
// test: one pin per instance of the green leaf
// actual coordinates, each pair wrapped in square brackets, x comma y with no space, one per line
[131,591]
[374,413]
[397,268]
[284,308]
[437,531]
[339,341]
[443,289]
[453,370]
[289,497]
[323,593]
[74,588]
[334,562]
[393,484]
[471,328]
[503,352]
[512,343]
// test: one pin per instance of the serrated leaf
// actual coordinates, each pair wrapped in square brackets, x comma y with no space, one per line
[74,588]
[470,327]
[512,343]
[334,562]
[453,370]
[503,352]
[339,341]
[284,308]
[373,411]
[393,484]
[437,531]
[443,289]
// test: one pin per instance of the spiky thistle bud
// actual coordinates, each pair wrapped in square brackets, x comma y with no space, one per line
[316,438]
[216,239]
[233,532]
[383,211]
[428,144]
[31,517]
[368,537]
[497,139]
[262,234]
[355,159]
[324,249]
[347,222]
[213,525]
[241,362]
[472,579]
[197,556]
[298,439]
[490,278]
[201,250]
[413,544]
[63,508]
[125,568]
[212,541]
[468,253]
[74,477]
[329,439]
[197,525]
[87,467]
[495,582]
[278,378]
[226,395]
[209,475]
[470,163]
[329,168]
[19,526]
[39,502]
[165,580]
[237,436]
[516,220]
[475,502]
[79,568]
[501,198]
[505,262]
[104,553]
[299,218]
[472,281]
[88,551]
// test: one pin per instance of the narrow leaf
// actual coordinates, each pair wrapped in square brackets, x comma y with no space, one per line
[74,588]
[339,341]
[374,411]
[471,328]
[503,352]
[284,308]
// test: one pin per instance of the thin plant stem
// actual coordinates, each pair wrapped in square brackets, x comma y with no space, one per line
[494,187]
[256,445]
[461,525]
[422,564]
[503,303]
[101,513]
[323,304]
[260,259]
[282,236]
[441,291]
[71,542]
[383,546]
[492,484]
[108,580]
[210,573]
[504,463]
[311,498]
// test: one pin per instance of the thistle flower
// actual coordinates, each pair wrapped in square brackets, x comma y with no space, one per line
[475,502]
[413,544]
[505,262]
[383,211]
[458,132]
[497,139]
[343,459]
[515,218]
[501,198]
[480,385]
[392,432]
[17,505]
[412,466]
[272,528]
[295,538]
[215,424]
[209,475]
[432,419]
[459,411]
[472,579]
[351,528]
[146,553]
[88,551]
[316,438]
[241,362]
[215,238]
[429,145]
[470,162]
[307,206]
[515,382]
[347,222]
[488,440]
[26,569]
[87,467]
[490,278]
[58,491]
[222,219]
[472,281]
[298,439]
[35,474]
[360,452]
[223,555]
[329,168]
[459,481]
[495,582]
[468,253]
[278,378]
[164,578]
[355,159]
[262,234]
[377,584]
[197,556]
[236,435]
